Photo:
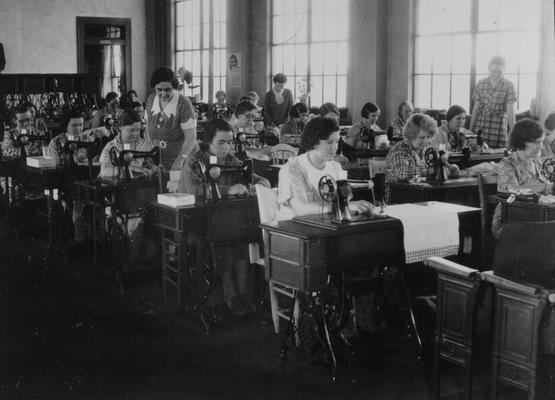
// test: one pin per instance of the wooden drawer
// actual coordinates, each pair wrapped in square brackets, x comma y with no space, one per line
[514,374]
[308,278]
[179,220]
[453,351]
[285,247]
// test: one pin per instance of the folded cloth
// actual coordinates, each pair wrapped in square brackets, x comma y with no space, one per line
[429,230]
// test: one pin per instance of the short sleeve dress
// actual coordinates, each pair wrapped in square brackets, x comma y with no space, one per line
[492,115]
[166,124]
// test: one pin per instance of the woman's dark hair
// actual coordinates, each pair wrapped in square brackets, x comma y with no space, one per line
[297,110]
[71,114]
[163,74]
[453,111]
[317,129]
[524,131]
[210,130]
[550,122]
[111,96]
[244,107]
[369,108]
[136,104]
[128,117]
[280,78]
[327,108]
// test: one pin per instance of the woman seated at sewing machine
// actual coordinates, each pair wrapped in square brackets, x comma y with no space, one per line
[329,110]
[362,136]
[242,121]
[522,167]
[38,123]
[404,111]
[73,123]
[548,143]
[405,162]
[129,138]
[452,135]
[231,261]
[22,121]
[299,177]
[292,129]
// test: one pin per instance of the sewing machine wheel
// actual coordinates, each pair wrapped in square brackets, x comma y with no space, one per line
[430,157]
[309,339]
[548,169]
[199,172]
[114,156]
[327,188]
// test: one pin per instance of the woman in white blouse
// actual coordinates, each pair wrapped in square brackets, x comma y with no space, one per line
[298,179]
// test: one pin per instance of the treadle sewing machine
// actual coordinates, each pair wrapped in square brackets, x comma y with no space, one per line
[191,233]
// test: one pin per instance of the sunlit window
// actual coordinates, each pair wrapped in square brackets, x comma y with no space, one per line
[200,44]
[450,34]
[309,45]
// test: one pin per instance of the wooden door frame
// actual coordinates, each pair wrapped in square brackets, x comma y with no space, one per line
[126,22]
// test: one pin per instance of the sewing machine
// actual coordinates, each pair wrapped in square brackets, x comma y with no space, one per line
[92,149]
[244,140]
[435,172]
[208,175]
[123,159]
[25,138]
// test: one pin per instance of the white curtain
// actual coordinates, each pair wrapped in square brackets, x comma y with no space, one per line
[106,86]
[545,96]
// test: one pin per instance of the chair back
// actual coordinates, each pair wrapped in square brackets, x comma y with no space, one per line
[267,203]
[281,153]
[487,191]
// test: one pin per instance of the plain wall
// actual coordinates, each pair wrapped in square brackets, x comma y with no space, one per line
[40,36]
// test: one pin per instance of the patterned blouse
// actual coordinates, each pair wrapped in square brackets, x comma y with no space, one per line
[138,167]
[402,164]
[492,115]
[167,124]
[512,172]
[9,150]
[276,113]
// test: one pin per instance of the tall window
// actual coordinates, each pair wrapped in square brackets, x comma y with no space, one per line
[200,44]
[309,45]
[454,41]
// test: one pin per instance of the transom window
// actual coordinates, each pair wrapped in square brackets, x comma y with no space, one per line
[454,41]
[309,45]
[200,44]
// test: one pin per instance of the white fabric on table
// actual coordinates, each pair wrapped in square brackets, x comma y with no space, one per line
[430,229]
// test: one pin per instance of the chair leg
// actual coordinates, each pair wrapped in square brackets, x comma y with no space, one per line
[494,381]
[468,378]
[274,307]
[435,371]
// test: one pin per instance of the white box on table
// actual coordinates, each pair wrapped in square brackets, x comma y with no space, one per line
[41,162]
[176,199]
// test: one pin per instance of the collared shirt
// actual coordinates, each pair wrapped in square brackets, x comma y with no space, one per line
[402,164]
[398,125]
[138,166]
[493,99]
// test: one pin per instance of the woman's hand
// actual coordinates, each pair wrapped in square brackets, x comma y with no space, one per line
[361,207]
[238,190]
[454,171]
[264,182]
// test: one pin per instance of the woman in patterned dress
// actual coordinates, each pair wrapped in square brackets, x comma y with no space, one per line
[522,167]
[494,105]
[171,118]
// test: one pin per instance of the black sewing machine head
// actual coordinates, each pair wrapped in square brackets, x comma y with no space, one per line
[548,169]
[435,166]
[367,135]
[25,138]
[125,157]
[338,194]
[216,170]
[242,141]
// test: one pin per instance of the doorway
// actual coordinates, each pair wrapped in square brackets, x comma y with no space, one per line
[104,54]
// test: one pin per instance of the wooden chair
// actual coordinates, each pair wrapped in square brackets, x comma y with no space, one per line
[455,315]
[519,310]
[267,206]
[487,191]
[281,153]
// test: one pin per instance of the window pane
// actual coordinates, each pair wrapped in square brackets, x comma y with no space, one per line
[179,13]
[526,91]
[206,10]
[204,91]
[317,59]
[301,89]
[423,25]
[459,15]
[422,85]
[461,53]
[341,91]
[316,92]
[206,36]
[196,63]
[330,23]
[278,7]
[341,24]
[486,47]
[205,64]
[188,12]
[301,59]
[188,37]
[196,36]
[217,35]
[289,60]
[219,61]
[277,59]
[508,44]
[318,26]
[277,36]
[196,11]
[488,14]
[300,28]
[342,59]
[440,92]
[423,55]
[460,86]
[329,89]
[178,60]
[517,14]
[179,44]
[330,56]
[301,6]
[442,50]
[188,59]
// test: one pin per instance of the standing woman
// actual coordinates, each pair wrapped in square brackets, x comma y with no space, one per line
[171,118]
[277,102]
[494,105]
